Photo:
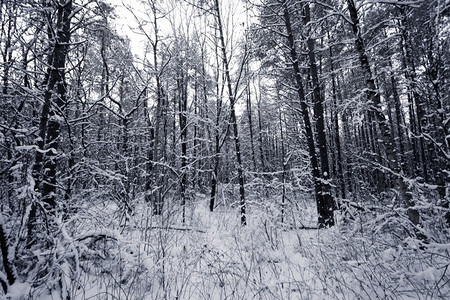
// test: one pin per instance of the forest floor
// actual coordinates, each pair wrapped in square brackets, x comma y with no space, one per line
[212,257]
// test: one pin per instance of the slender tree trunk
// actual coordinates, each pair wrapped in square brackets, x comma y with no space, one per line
[217,144]
[7,51]
[373,96]
[206,129]
[7,259]
[284,166]
[233,120]
[183,135]
[324,207]
[398,123]
[417,113]
[214,179]
[250,125]
[148,177]
[196,147]
[157,180]
[104,85]
[260,134]
[329,203]
[349,175]
[337,139]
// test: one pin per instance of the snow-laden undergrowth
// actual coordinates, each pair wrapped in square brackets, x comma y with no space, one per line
[104,254]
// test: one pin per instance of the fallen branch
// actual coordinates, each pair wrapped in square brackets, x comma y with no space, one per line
[307,228]
[178,228]
[97,237]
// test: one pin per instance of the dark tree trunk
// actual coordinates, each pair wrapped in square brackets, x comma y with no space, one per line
[373,96]
[324,207]
[260,135]
[217,143]
[7,52]
[337,138]
[196,147]
[233,120]
[417,113]
[401,134]
[329,204]
[250,125]
[284,166]
[214,181]
[54,101]
[7,259]
[157,176]
[182,106]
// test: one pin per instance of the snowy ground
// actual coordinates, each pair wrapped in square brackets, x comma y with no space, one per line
[213,257]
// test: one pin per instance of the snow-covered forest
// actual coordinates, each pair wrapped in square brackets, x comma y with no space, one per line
[241,149]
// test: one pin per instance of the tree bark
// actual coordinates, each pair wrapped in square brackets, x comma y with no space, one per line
[217,144]
[329,204]
[233,120]
[54,101]
[373,97]
[157,180]
[324,207]
[250,125]
[8,265]
[337,138]
[260,133]
[182,106]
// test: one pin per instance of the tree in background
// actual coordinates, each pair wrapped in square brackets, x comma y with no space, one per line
[307,103]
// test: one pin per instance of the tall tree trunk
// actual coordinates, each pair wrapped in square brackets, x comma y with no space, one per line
[233,120]
[260,131]
[217,143]
[324,207]
[284,165]
[417,113]
[399,123]
[206,129]
[196,147]
[7,259]
[328,201]
[250,125]
[55,92]
[44,169]
[373,96]
[7,52]
[182,106]
[337,139]
[157,176]
[349,174]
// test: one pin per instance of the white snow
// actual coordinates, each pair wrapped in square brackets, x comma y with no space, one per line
[213,257]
